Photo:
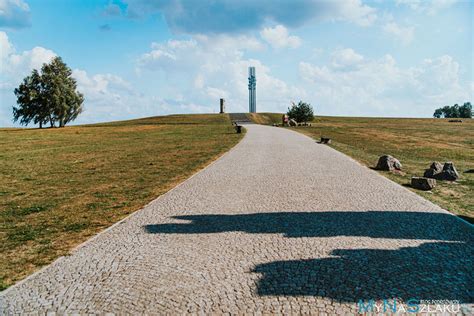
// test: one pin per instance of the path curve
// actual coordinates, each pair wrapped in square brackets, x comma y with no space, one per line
[278,224]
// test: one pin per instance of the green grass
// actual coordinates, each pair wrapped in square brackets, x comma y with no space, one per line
[415,142]
[58,187]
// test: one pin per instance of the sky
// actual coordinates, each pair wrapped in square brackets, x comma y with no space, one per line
[138,58]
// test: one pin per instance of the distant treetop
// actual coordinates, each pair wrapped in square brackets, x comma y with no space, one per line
[455,111]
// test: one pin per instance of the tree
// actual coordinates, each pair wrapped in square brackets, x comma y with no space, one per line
[60,91]
[301,112]
[455,111]
[438,113]
[465,111]
[31,104]
[48,96]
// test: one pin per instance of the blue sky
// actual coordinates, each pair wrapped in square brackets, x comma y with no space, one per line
[136,58]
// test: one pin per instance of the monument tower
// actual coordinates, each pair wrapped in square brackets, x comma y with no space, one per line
[252,90]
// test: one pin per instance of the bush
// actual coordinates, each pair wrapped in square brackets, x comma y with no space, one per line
[301,112]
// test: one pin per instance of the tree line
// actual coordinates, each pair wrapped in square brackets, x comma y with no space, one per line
[48,96]
[455,111]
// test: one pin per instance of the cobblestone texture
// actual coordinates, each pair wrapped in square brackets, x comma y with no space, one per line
[280,224]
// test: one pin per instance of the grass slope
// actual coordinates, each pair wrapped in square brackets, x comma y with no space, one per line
[58,187]
[415,142]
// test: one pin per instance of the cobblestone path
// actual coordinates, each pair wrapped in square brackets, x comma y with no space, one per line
[280,224]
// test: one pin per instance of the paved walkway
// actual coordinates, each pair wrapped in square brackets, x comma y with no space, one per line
[279,224]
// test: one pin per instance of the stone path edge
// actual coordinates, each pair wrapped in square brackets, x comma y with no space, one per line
[129,216]
[388,179]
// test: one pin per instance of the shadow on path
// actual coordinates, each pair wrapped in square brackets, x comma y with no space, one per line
[375,224]
[432,271]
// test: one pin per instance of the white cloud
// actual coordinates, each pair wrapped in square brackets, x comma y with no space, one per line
[403,34]
[21,64]
[430,7]
[95,87]
[356,12]
[172,56]
[14,14]
[207,68]
[346,58]
[381,87]
[278,37]
[16,66]
[109,97]
[7,47]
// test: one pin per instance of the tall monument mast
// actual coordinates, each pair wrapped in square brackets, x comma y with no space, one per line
[252,90]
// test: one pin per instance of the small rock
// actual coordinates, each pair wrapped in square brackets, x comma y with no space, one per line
[325,140]
[422,183]
[388,163]
[449,172]
[436,166]
[434,169]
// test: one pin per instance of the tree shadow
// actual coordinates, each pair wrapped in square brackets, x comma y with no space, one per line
[375,224]
[432,271]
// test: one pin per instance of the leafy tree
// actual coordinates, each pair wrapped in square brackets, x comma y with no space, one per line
[31,104]
[465,111]
[60,91]
[301,112]
[438,113]
[455,111]
[48,96]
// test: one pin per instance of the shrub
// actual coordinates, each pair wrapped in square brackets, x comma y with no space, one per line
[301,112]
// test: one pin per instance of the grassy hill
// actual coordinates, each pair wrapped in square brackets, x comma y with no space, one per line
[58,187]
[415,142]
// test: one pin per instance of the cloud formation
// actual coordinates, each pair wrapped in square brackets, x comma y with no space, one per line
[15,66]
[14,14]
[278,37]
[345,58]
[208,68]
[430,7]
[229,16]
[109,98]
[404,34]
[381,87]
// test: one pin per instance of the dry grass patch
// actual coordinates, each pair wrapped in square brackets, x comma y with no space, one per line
[265,118]
[58,187]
